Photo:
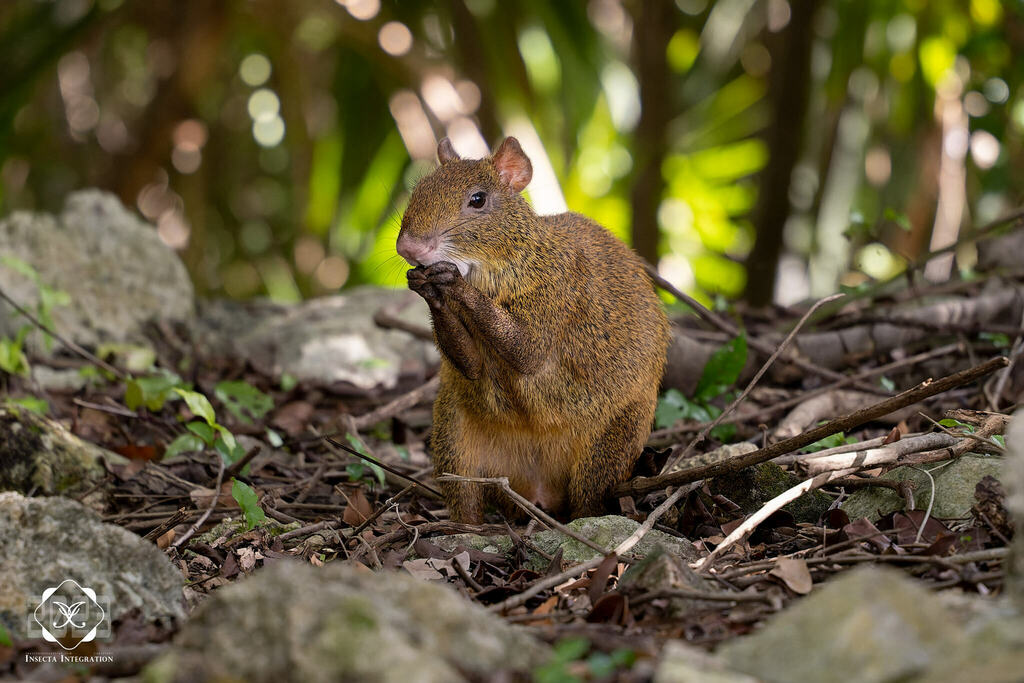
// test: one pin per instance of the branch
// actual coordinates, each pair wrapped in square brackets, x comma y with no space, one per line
[926,389]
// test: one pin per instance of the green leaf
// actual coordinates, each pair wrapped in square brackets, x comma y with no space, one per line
[358,445]
[837,439]
[950,423]
[243,400]
[36,405]
[203,431]
[722,369]
[248,501]
[996,339]
[151,391]
[898,218]
[999,439]
[13,360]
[133,357]
[887,383]
[231,452]
[184,444]
[5,637]
[198,404]
[670,409]
[19,266]
[288,382]
[724,433]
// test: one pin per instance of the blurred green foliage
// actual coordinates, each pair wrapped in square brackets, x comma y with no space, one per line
[274,143]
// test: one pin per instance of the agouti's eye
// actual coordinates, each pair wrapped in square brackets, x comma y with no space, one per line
[477,199]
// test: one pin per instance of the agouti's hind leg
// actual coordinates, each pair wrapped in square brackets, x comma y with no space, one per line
[464,501]
[610,462]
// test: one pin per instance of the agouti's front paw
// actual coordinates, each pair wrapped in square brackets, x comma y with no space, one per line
[419,283]
[442,274]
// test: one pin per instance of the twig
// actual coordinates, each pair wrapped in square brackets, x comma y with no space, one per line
[750,385]
[99,362]
[693,594]
[400,404]
[992,424]
[380,510]
[213,503]
[767,510]
[238,465]
[307,530]
[731,330]
[382,465]
[527,506]
[922,391]
[872,457]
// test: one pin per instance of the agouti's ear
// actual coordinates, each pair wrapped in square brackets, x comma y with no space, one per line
[445,151]
[513,166]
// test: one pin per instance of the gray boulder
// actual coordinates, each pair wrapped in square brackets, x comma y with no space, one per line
[46,541]
[331,341]
[295,622]
[113,265]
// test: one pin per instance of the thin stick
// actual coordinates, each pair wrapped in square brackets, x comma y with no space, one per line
[922,391]
[206,515]
[739,399]
[400,404]
[382,465]
[693,594]
[767,510]
[730,329]
[527,506]
[99,362]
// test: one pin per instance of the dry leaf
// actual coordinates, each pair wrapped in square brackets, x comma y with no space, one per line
[165,540]
[358,509]
[794,574]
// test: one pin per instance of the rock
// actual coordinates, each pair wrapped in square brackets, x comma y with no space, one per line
[682,663]
[608,532]
[993,652]
[867,625]
[1013,479]
[752,487]
[44,541]
[41,456]
[113,266]
[660,571]
[332,341]
[954,489]
[293,622]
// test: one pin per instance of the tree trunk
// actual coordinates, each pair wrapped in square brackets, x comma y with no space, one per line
[654,25]
[788,86]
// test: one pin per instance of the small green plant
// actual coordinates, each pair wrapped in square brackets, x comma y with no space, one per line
[246,498]
[12,350]
[36,405]
[243,400]
[152,391]
[567,663]
[204,433]
[998,439]
[357,470]
[719,375]
[837,439]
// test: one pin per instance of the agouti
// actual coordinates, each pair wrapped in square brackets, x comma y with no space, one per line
[553,342]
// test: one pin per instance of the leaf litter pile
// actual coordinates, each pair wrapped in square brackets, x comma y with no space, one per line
[230,470]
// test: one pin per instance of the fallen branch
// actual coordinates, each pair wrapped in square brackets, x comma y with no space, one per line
[872,457]
[926,389]
[770,508]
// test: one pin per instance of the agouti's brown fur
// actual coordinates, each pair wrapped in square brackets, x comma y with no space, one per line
[552,339]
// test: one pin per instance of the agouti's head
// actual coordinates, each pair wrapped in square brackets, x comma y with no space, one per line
[468,211]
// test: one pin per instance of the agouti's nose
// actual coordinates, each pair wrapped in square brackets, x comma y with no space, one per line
[416,251]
